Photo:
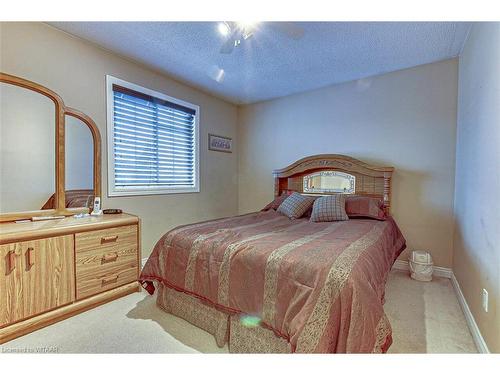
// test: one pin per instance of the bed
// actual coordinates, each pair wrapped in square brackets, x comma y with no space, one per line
[266,284]
[74,199]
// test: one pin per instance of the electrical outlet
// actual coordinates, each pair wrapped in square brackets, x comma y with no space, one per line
[485,300]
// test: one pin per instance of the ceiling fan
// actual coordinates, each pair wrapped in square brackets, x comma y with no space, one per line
[237,32]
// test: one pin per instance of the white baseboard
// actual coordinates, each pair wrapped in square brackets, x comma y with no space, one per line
[402,265]
[471,322]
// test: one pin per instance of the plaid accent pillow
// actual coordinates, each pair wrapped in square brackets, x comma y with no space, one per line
[329,208]
[310,209]
[277,201]
[296,205]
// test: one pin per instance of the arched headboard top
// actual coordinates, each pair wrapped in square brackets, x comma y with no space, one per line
[371,180]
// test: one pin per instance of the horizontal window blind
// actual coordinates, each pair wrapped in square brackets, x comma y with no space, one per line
[153,142]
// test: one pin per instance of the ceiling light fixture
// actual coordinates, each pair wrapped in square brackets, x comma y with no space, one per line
[223,28]
[246,28]
[247,24]
[236,32]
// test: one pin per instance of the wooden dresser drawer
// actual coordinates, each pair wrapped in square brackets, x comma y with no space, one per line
[105,259]
[105,279]
[105,239]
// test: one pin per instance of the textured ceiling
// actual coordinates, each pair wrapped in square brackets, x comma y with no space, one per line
[270,65]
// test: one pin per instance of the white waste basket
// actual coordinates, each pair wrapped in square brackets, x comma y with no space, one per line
[421,265]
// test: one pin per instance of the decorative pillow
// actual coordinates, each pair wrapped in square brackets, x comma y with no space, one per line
[310,209]
[296,205]
[277,201]
[358,206]
[329,208]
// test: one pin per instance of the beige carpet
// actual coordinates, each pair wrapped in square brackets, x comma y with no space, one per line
[425,317]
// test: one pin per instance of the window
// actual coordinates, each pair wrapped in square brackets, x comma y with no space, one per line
[152,141]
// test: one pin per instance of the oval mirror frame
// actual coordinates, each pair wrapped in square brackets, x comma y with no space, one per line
[61,111]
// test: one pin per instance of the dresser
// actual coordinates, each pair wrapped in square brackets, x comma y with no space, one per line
[51,270]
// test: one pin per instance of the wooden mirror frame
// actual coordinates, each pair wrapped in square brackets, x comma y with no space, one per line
[60,112]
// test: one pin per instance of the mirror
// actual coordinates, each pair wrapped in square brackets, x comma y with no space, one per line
[27,149]
[79,163]
[37,164]
[329,182]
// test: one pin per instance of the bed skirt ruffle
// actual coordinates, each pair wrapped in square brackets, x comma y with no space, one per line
[234,330]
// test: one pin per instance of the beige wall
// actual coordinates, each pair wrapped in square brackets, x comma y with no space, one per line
[76,70]
[476,258]
[405,119]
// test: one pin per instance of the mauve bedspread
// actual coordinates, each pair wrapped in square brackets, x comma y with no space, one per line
[318,285]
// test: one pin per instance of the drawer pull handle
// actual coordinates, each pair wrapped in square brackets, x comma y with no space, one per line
[11,261]
[109,239]
[109,257]
[30,259]
[109,280]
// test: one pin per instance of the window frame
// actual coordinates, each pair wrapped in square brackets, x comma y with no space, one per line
[113,191]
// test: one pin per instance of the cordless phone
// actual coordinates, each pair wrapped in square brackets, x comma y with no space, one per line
[97,207]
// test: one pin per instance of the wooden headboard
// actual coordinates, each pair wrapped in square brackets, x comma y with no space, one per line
[370,180]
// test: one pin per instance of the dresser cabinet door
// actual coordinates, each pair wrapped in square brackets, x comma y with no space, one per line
[35,276]
[11,290]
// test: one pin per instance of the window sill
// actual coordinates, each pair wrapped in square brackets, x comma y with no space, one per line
[127,193]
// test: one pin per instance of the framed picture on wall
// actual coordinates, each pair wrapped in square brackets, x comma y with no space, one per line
[219,143]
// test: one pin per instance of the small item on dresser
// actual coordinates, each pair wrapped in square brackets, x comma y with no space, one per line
[40,218]
[81,215]
[112,211]
[97,207]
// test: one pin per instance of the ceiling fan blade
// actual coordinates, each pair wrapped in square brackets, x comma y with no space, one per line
[290,29]
[228,45]
[230,42]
